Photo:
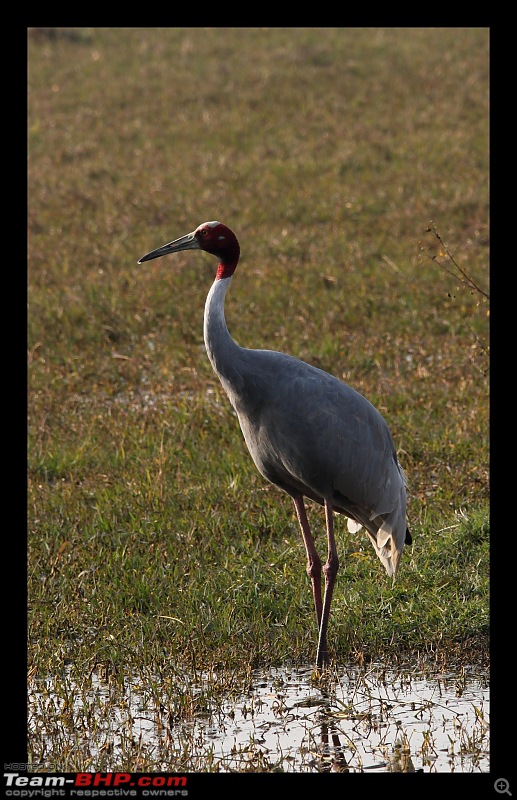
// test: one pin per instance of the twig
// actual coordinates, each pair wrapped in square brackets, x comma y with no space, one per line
[467,280]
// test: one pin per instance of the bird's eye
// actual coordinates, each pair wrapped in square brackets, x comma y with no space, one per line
[203,231]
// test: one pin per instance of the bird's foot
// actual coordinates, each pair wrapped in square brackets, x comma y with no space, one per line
[322,660]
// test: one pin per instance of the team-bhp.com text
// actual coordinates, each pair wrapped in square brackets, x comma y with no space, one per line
[95,784]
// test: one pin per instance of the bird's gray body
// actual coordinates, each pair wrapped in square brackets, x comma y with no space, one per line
[311,434]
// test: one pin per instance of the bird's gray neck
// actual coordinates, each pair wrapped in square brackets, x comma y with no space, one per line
[222,351]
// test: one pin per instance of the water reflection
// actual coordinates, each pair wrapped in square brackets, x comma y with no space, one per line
[357,721]
[333,756]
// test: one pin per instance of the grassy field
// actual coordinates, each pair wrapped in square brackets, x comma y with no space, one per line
[353,166]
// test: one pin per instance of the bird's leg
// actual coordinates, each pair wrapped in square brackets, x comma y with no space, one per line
[313,559]
[330,571]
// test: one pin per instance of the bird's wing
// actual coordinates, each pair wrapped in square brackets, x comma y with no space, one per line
[310,433]
[305,424]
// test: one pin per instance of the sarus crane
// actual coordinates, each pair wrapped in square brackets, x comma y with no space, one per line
[308,432]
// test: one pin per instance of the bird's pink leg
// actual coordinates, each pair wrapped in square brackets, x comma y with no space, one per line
[313,559]
[330,571]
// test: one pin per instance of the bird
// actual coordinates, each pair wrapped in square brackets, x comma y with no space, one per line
[308,433]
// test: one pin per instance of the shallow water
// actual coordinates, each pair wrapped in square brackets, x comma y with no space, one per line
[363,723]
[361,720]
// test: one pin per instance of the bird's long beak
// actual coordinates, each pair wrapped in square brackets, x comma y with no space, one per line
[188,242]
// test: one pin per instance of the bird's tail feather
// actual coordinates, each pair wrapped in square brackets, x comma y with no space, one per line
[388,534]
[353,526]
[388,543]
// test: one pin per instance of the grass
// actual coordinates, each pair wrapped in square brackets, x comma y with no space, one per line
[352,164]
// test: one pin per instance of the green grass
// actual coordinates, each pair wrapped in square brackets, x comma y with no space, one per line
[336,155]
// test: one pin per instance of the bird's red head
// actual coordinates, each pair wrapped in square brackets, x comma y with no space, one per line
[220,241]
[215,238]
